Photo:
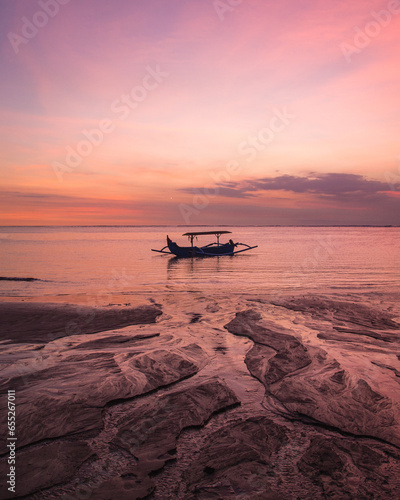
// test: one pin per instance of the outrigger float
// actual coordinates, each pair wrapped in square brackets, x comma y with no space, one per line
[210,250]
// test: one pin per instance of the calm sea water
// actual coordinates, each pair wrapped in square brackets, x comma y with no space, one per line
[108,260]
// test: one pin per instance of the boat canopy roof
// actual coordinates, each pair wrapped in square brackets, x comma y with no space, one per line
[206,232]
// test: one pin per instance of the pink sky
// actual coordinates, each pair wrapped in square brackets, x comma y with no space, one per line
[200,112]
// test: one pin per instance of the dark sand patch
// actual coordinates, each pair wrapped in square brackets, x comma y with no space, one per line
[5,278]
[339,312]
[44,466]
[115,340]
[32,322]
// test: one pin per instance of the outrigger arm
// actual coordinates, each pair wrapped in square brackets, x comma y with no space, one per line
[244,249]
[162,250]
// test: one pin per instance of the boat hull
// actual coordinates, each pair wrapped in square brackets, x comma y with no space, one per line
[207,251]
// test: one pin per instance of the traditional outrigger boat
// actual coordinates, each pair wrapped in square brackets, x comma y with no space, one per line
[210,250]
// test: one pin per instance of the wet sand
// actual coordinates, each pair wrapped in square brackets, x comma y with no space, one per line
[186,396]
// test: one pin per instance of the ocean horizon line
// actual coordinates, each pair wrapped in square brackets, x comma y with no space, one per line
[195,225]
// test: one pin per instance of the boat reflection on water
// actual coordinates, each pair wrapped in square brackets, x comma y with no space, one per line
[190,274]
[195,264]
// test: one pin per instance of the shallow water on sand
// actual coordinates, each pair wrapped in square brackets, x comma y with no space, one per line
[112,260]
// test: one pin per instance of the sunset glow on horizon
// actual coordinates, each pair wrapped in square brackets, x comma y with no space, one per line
[200,112]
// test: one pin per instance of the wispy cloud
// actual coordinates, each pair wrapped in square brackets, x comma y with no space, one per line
[232,190]
[327,198]
[334,185]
